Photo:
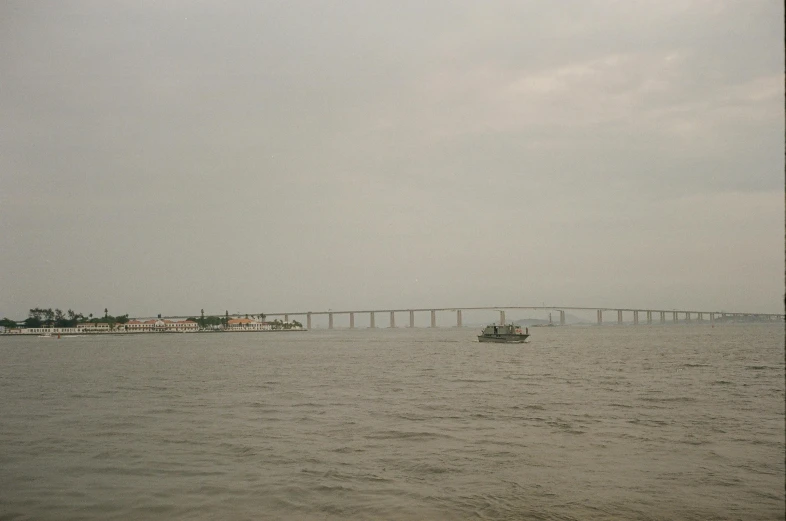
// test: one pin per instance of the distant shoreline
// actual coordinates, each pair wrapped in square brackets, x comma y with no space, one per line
[138,333]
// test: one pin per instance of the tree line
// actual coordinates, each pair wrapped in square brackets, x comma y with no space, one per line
[48,317]
[216,320]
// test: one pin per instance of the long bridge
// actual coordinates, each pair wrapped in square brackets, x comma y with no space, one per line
[645,314]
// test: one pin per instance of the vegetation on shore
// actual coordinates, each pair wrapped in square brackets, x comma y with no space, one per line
[48,317]
[215,321]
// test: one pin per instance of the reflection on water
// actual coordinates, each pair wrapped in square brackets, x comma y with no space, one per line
[660,422]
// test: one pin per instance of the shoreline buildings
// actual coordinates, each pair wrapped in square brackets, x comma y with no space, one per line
[158,325]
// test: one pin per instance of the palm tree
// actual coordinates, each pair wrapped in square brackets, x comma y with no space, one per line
[106,311]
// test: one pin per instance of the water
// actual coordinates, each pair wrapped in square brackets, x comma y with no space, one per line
[661,422]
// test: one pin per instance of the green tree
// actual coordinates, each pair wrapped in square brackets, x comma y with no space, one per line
[8,323]
[59,318]
[38,317]
[33,322]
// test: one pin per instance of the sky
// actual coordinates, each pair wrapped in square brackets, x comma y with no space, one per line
[271,156]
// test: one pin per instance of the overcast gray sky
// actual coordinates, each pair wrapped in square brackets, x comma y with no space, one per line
[264,156]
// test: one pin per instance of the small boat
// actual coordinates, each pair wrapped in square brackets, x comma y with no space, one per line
[505,334]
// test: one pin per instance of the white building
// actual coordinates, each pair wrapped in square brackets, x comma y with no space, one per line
[50,331]
[161,326]
[247,324]
[90,327]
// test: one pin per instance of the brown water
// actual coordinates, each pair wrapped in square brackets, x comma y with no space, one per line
[647,422]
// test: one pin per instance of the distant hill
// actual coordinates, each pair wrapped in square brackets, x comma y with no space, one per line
[569,319]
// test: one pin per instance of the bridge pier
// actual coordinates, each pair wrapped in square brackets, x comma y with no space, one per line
[676,316]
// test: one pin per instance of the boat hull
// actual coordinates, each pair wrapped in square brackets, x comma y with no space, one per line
[503,339]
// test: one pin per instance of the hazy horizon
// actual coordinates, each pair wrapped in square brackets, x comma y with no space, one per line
[275,156]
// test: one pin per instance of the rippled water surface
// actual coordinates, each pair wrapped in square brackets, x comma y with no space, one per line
[647,422]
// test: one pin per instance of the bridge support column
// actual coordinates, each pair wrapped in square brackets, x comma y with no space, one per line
[392,319]
[433,318]
[458,318]
[286,318]
[330,320]
[635,318]
[501,318]
[308,320]
[600,317]
[687,316]
[676,318]
[649,318]
[561,318]
[712,319]
[619,316]
[351,321]
[662,317]
[372,324]
[411,319]
[700,317]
